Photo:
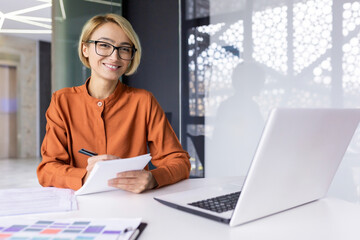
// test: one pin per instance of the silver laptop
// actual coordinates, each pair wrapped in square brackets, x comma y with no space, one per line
[294,164]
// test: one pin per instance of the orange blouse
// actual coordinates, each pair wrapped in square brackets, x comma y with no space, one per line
[124,124]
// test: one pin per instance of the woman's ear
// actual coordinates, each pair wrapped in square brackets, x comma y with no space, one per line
[85,50]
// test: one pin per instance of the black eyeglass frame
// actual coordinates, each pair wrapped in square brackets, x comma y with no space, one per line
[114,47]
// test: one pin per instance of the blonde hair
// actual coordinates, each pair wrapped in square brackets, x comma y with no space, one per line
[92,24]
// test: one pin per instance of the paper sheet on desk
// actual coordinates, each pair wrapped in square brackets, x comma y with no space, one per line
[105,170]
[36,200]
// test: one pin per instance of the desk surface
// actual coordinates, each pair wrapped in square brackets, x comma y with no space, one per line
[324,219]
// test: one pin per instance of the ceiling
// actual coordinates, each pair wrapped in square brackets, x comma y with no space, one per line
[32,18]
[28,19]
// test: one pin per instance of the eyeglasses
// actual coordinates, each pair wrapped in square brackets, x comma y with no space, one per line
[106,49]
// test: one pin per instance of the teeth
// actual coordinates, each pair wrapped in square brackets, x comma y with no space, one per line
[111,66]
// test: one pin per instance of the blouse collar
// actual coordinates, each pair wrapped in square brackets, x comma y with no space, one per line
[113,97]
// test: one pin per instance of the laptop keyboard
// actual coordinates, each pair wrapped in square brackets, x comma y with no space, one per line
[218,204]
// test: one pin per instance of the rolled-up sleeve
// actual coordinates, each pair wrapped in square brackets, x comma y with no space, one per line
[171,160]
[55,169]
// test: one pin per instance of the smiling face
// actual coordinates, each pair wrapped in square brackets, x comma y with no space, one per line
[112,67]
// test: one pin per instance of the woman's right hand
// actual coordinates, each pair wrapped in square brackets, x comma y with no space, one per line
[93,160]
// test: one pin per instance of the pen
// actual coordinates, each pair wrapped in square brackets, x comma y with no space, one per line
[135,235]
[87,152]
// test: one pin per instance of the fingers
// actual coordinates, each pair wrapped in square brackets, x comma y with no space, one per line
[133,181]
[132,174]
[129,187]
[103,157]
[93,160]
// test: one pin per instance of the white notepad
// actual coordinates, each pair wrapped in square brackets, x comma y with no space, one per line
[105,170]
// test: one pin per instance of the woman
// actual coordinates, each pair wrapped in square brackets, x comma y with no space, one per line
[108,117]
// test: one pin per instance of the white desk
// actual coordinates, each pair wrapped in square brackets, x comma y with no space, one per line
[324,219]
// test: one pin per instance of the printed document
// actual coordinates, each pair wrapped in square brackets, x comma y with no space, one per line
[36,200]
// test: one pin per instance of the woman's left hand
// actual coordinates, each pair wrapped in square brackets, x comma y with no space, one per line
[134,181]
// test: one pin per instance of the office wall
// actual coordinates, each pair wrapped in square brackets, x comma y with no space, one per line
[246,57]
[21,54]
[157,24]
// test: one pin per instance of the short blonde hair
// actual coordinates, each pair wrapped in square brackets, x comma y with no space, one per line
[92,24]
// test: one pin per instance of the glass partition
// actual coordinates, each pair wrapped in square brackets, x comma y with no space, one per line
[243,58]
[69,16]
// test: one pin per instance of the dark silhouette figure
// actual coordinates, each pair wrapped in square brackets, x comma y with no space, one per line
[238,125]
